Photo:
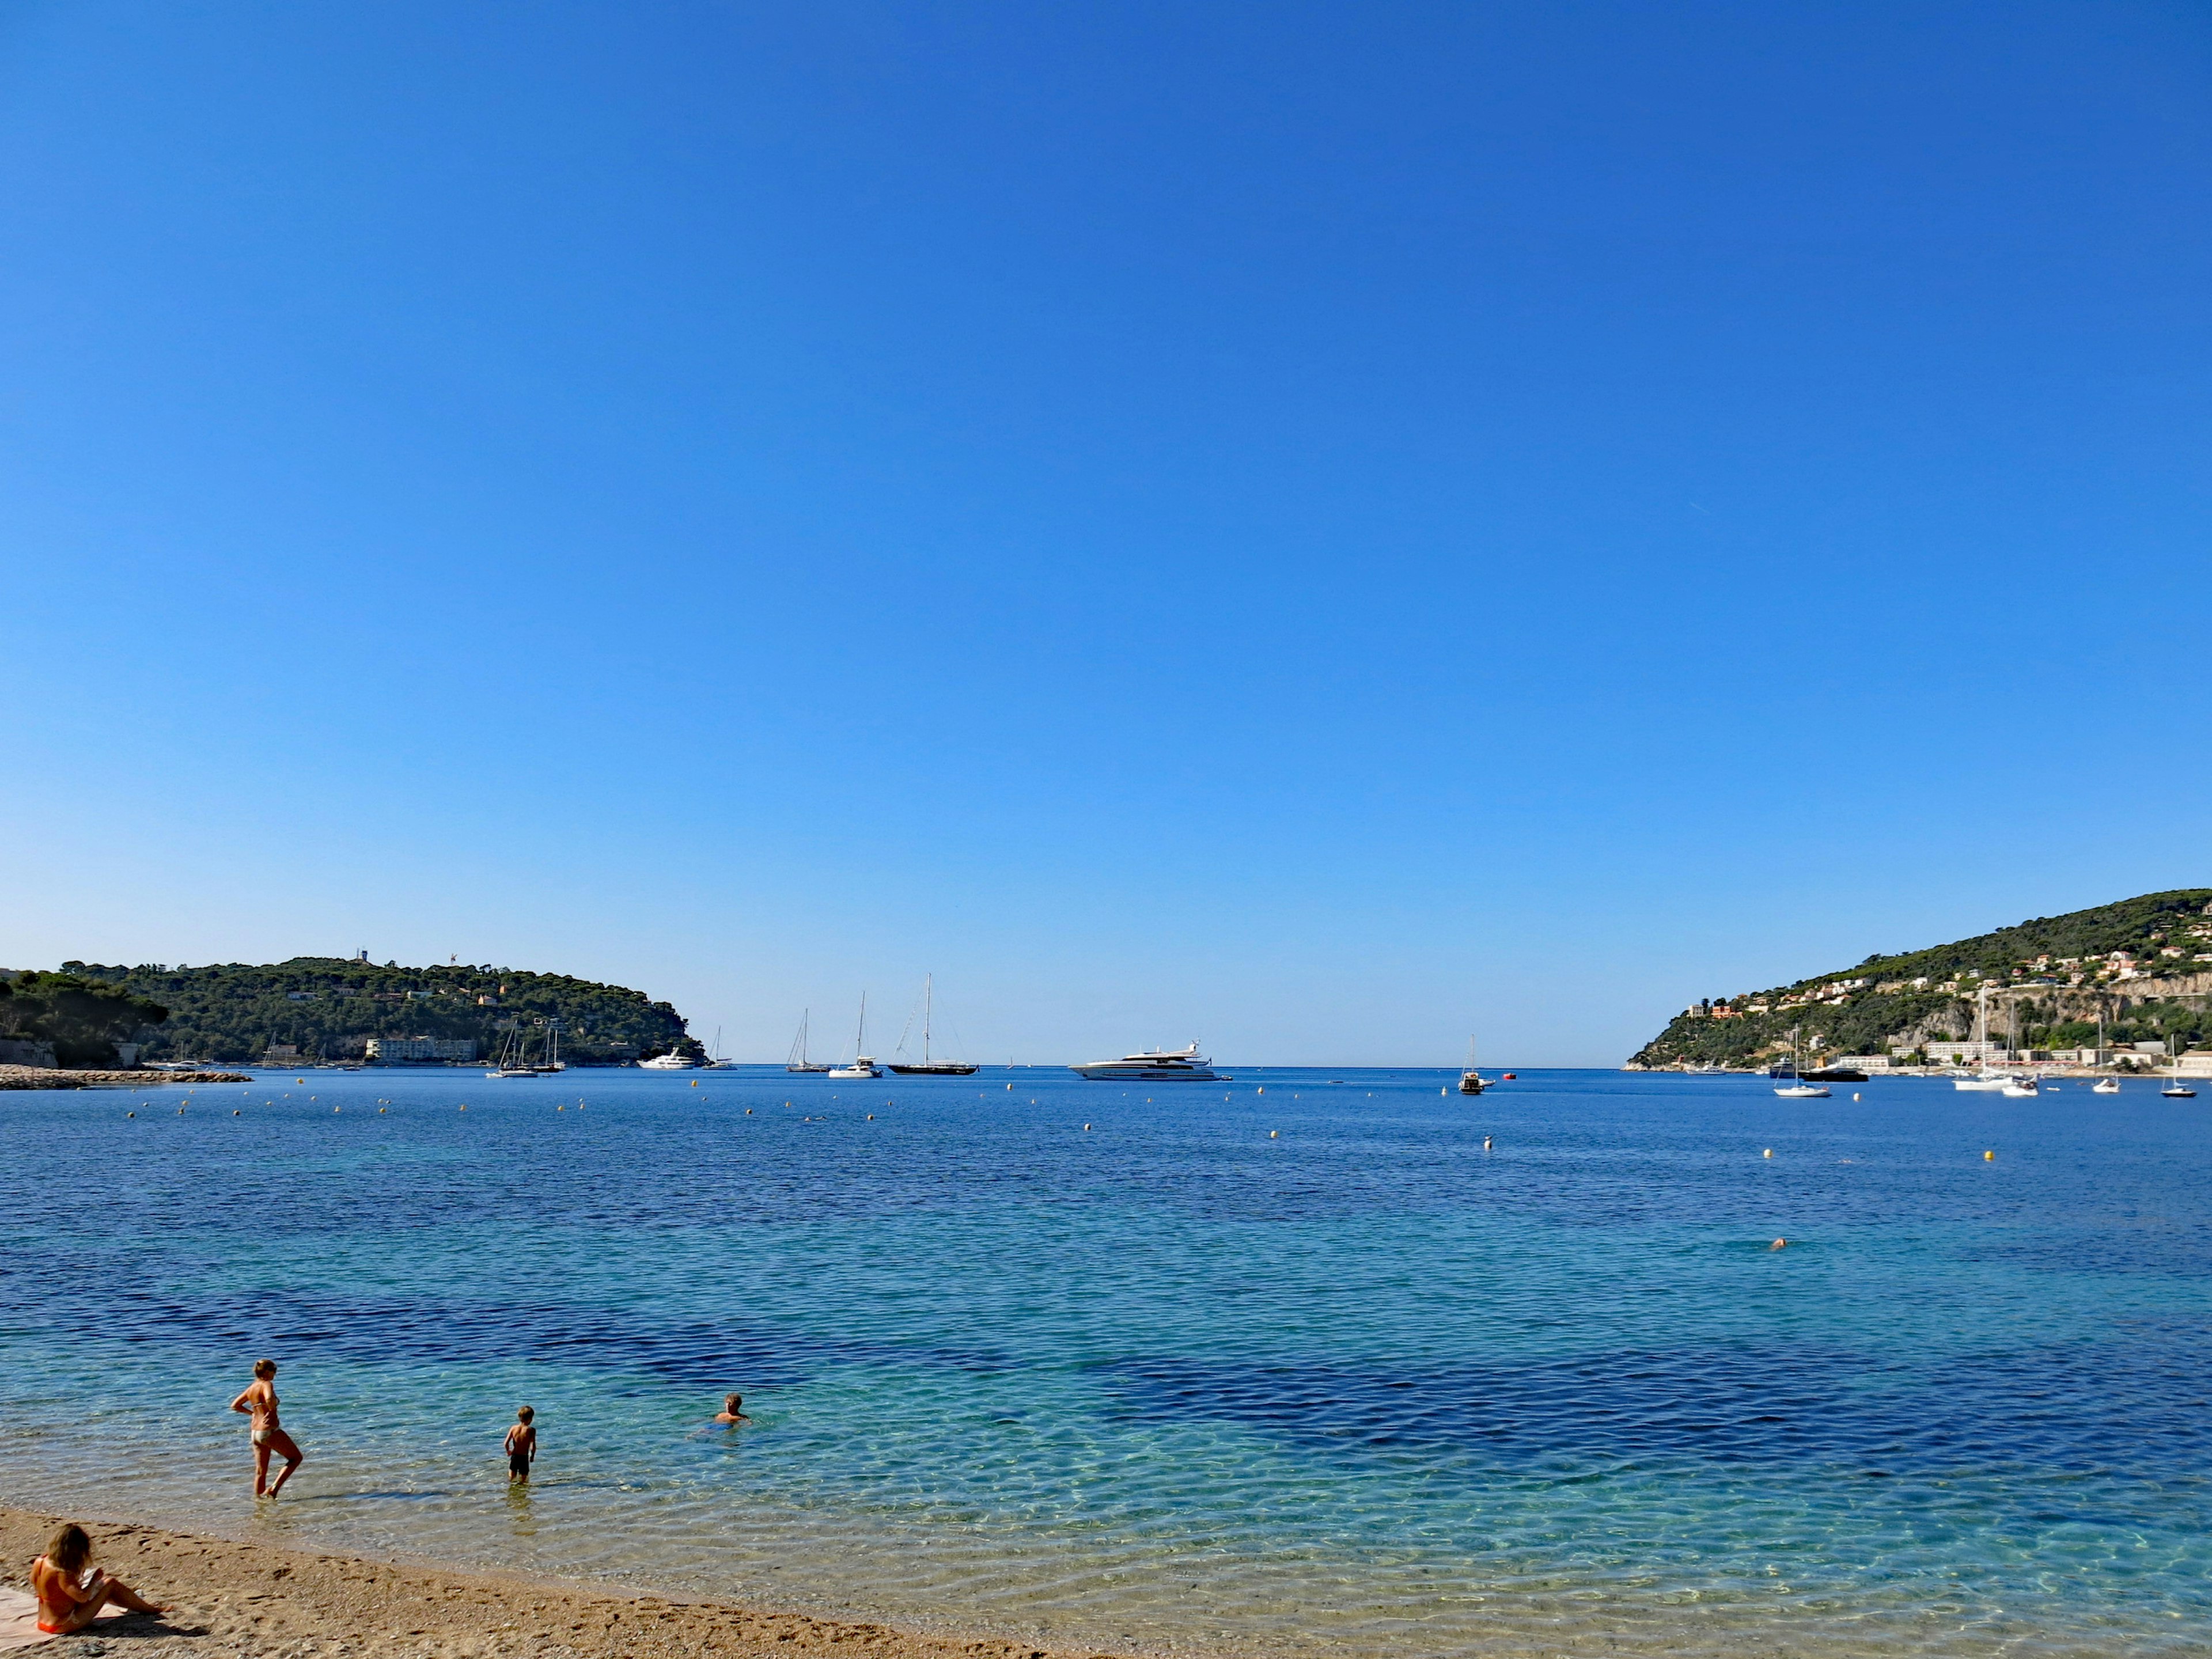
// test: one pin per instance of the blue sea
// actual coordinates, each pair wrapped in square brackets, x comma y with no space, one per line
[1295,1364]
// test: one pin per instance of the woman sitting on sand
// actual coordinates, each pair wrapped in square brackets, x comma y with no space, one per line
[69,1596]
[260,1401]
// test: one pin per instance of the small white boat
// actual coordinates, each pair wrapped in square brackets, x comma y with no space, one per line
[861,1065]
[2106,1085]
[1803,1092]
[1987,1083]
[2020,1088]
[2178,1090]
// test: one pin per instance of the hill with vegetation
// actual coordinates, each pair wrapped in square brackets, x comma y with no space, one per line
[327,1008]
[2145,964]
[79,1019]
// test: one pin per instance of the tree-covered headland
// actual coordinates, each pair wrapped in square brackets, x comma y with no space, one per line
[328,1007]
[2144,964]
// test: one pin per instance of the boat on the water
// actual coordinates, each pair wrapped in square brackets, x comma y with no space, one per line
[1154,1066]
[515,1059]
[1471,1082]
[2106,1085]
[929,1068]
[861,1065]
[2177,1090]
[2022,1088]
[1986,1082]
[1797,1088]
[798,1061]
[673,1061]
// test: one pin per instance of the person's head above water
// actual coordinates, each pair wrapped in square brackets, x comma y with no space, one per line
[524,1415]
[732,1402]
[264,1368]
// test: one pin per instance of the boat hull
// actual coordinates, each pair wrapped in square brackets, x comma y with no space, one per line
[935,1071]
[1112,1071]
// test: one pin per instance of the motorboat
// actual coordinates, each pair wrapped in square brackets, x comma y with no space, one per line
[1153,1066]
[860,1065]
[2106,1085]
[670,1062]
[2022,1088]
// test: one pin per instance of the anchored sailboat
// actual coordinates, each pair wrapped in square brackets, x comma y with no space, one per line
[797,1060]
[1471,1082]
[929,1068]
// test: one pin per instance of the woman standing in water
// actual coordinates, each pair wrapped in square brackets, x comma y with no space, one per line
[259,1400]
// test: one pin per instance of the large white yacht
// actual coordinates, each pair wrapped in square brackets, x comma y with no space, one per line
[1154,1066]
[669,1062]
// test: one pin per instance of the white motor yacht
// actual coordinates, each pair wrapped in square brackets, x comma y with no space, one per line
[670,1062]
[1154,1066]
[862,1065]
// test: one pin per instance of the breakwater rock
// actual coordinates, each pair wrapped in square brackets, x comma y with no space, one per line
[42,1077]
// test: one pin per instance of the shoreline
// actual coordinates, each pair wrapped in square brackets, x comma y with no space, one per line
[269,1601]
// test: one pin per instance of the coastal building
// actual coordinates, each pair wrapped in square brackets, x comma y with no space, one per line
[1862,1062]
[417,1050]
[1965,1053]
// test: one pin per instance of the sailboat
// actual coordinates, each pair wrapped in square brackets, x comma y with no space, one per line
[798,1061]
[1471,1081]
[717,1060]
[1989,1082]
[863,1065]
[1798,1089]
[514,1057]
[929,1068]
[2177,1090]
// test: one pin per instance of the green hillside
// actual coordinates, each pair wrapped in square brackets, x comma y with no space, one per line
[327,1008]
[2145,963]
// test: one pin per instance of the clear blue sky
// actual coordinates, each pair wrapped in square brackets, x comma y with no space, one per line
[1318,527]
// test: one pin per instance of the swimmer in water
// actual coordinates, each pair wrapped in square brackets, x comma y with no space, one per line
[730,1416]
[1779,1244]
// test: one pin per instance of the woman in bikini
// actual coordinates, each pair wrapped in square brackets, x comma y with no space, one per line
[260,1401]
[69,1596]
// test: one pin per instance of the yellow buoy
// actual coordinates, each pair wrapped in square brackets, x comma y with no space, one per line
[1769,1153]
[299,1079]
[381,1110]
[337,1108]
[464,1109]
[1271,1133]
[695,1082]
[1988,1157]
[560,1108]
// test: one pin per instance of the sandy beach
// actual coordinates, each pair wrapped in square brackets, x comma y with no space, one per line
[263,1603]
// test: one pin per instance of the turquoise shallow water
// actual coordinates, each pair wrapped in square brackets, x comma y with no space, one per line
[1168,1383]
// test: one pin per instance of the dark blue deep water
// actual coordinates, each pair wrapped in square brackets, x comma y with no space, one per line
[1171,1379]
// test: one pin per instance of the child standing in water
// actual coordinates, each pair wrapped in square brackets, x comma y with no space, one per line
[522,1448]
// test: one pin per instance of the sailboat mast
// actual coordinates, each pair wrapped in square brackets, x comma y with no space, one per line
[861,1036]
[928,1003]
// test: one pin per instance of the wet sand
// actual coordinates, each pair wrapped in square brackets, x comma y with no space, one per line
[257,1602]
